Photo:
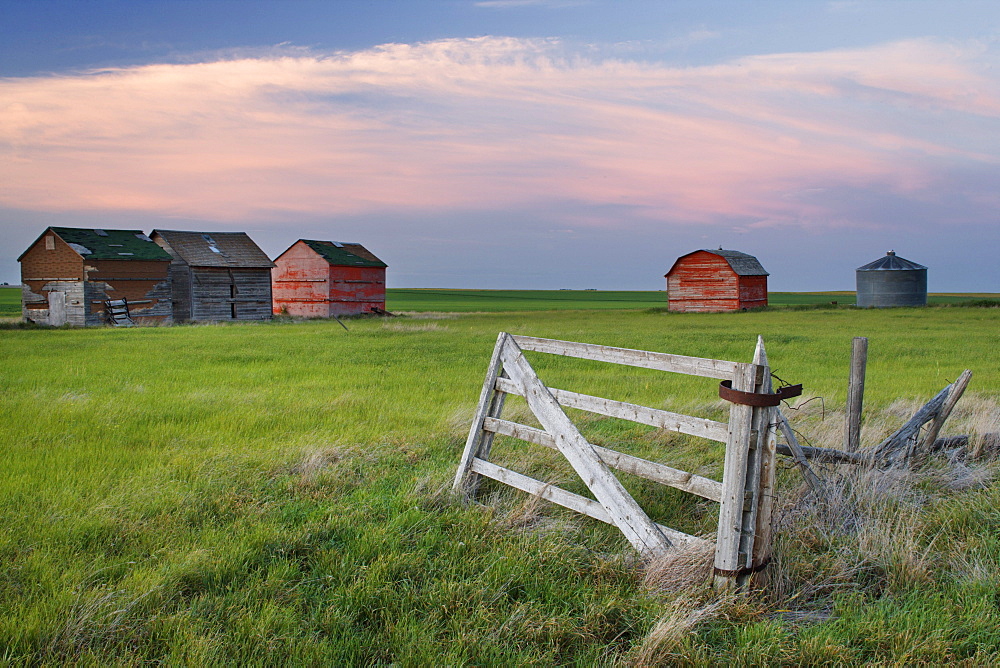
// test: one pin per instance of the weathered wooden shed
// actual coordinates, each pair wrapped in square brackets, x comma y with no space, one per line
[68,274]
[319,279]
[716,280]
[217,276]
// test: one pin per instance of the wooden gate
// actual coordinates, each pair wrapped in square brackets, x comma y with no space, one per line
[745,494]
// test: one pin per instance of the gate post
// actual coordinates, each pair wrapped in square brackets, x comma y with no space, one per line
[743,539]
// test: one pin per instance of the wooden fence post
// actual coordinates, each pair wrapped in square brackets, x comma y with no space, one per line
[731,543]
[766,425]
[855,394]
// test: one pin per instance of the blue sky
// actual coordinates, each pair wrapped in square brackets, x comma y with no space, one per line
[517,143]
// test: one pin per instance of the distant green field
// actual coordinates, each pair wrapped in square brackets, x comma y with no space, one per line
[488,301]
[10,301]
[495,301]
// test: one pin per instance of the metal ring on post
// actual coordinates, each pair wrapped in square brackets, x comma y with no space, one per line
[727,392]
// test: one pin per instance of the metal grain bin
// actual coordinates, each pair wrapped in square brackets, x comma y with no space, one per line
[892,281]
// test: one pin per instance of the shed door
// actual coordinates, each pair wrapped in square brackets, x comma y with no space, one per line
[57,308]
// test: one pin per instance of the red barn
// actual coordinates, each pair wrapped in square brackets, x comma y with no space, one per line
[716,280]
[319,279]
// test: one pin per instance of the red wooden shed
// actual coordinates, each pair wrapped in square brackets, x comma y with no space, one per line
[319,279]
[716,280]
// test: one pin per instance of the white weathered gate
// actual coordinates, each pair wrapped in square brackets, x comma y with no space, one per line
[745,493]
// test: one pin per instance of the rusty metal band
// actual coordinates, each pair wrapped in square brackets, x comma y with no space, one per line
[727,392]
[746,570]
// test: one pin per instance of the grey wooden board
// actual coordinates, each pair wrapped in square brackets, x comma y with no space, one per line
[642,532]
[684,424]
[734,479]
[954,394]
[665,475]
[855,394]
[764,425]
[476,433]
[695,366]
[559,496]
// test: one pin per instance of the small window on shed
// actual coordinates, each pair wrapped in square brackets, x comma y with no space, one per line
[50,242]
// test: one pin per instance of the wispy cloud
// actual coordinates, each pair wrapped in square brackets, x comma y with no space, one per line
[502,122]
[517,4]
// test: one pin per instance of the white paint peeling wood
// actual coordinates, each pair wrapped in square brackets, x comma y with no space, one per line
[695,366]
[665,475]
[626,514]
[580,504]
[684,424]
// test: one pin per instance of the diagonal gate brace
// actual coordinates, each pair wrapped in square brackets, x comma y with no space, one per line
[624,512]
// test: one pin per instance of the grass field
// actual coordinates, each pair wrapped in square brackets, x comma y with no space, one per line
[472,301]
[466,301]
[277,493]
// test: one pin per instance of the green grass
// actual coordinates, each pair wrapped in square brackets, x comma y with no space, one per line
[489,301]
[10,301]
[273,493]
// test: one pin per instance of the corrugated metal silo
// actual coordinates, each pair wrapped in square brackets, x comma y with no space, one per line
[892,281]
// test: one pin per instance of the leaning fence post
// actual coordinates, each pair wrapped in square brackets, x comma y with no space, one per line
[479,442]
[855,394]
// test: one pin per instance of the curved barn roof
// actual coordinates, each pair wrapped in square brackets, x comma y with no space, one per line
[742,264]
[891,262]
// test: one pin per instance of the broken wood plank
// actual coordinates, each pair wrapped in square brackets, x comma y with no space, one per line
[695,366]
[957,389]
[904,439]
[665,475]
[684,424]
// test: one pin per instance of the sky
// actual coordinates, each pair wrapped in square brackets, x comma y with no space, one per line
[547,144]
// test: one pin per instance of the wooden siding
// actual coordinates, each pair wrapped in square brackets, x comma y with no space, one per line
[230,294]
[306,285]
[702,281]
[356,289]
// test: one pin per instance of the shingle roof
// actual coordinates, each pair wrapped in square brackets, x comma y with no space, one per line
[215,249]
[98,244]
[891,262]
[344,254]
[742,264]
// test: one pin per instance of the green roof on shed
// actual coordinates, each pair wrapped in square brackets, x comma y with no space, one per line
[98,244]
[344,254]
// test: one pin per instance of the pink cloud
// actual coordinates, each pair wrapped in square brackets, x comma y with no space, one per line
[493,123]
